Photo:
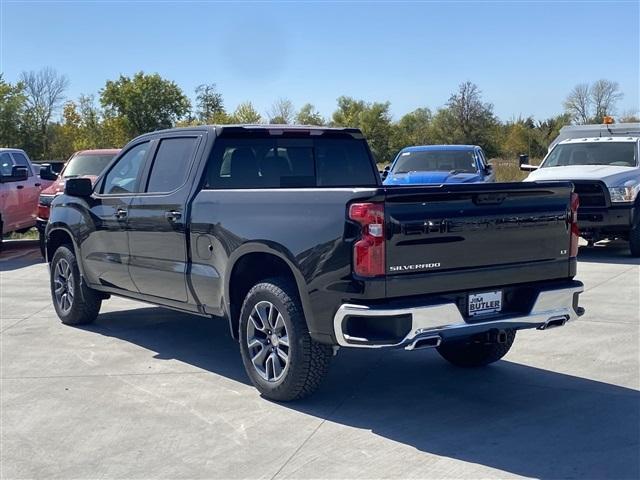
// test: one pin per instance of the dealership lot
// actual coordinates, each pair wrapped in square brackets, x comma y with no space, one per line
[148,392]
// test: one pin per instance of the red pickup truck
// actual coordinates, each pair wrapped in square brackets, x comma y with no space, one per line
[20,186]
[85,163]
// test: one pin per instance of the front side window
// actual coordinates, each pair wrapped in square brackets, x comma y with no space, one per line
[22,161]
[622,154]
[171,164]
[123,177]
[6,165]
[289,163]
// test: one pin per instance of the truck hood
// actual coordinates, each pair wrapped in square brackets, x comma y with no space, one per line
[435,177]
[611,175]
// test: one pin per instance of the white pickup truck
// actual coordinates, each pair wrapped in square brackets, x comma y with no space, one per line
[20,186]
[602,162]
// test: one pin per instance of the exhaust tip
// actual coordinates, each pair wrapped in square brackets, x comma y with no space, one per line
[425,342]
[553,323]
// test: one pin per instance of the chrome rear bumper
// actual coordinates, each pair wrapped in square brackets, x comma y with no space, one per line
[431,323]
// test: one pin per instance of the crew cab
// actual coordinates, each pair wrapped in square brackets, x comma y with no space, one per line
[84,163]
[605,170]
[20,186]
[436,164]
[289,235]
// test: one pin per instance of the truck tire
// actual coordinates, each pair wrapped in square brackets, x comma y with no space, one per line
[634,240]
[282,360]
[470,353]
[75,303]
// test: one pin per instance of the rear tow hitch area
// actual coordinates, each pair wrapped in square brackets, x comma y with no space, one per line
[496,336]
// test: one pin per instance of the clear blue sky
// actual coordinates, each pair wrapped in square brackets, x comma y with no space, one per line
[524,56]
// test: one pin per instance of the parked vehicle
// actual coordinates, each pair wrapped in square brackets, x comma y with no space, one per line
[85,163]
[289,234]
[606,175]
[56,165]
[436,164]
[19,190]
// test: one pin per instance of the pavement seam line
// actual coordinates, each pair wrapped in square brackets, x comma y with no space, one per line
[25,318]
[611,278]
[323,421]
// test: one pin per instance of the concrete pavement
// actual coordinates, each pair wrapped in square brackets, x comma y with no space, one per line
[150,393]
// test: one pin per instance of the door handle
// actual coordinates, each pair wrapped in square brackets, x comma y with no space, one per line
[19,187]
[38,184]
[120,213]
[173,215]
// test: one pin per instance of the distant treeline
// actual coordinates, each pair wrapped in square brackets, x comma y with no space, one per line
[128,106]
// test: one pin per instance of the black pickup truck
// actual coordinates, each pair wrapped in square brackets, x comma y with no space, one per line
[289,235]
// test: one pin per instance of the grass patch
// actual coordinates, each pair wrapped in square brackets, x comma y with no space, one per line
[509,170]
[31,234]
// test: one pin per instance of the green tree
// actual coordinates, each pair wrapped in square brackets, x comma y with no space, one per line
[373,119]
[209,103]
[12,105]
[466,119]
[308,115]
[412,129]
[245,113]
[146,102]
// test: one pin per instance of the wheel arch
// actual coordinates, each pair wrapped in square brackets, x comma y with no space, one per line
[57,236]
[252,263]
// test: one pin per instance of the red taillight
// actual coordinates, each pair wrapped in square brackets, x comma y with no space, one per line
[368,252]
[573,224]
[43,211]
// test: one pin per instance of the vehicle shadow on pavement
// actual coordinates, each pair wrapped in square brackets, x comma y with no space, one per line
[614,252]
[512,417]
[15,256]
[198,341]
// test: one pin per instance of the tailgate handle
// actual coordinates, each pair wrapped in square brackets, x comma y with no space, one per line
[489,198]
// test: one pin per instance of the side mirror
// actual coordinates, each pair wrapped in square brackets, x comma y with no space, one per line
[47,173]
[385,172]
[523,160]
[488,168]
[78,187]
[18,174]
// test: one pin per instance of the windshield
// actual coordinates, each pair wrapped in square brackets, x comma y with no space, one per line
[84,164]
[443,161]
[622,154]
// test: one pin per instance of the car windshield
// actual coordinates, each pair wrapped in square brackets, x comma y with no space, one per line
[622,154]
[85,164]
[445,161]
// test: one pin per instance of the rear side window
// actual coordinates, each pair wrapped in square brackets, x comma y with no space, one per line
[22,161]
[289,163]
[171,164]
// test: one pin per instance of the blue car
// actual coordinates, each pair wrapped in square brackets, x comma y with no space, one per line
[437,164]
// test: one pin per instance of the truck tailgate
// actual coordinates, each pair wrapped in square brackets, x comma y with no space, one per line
[454,237]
